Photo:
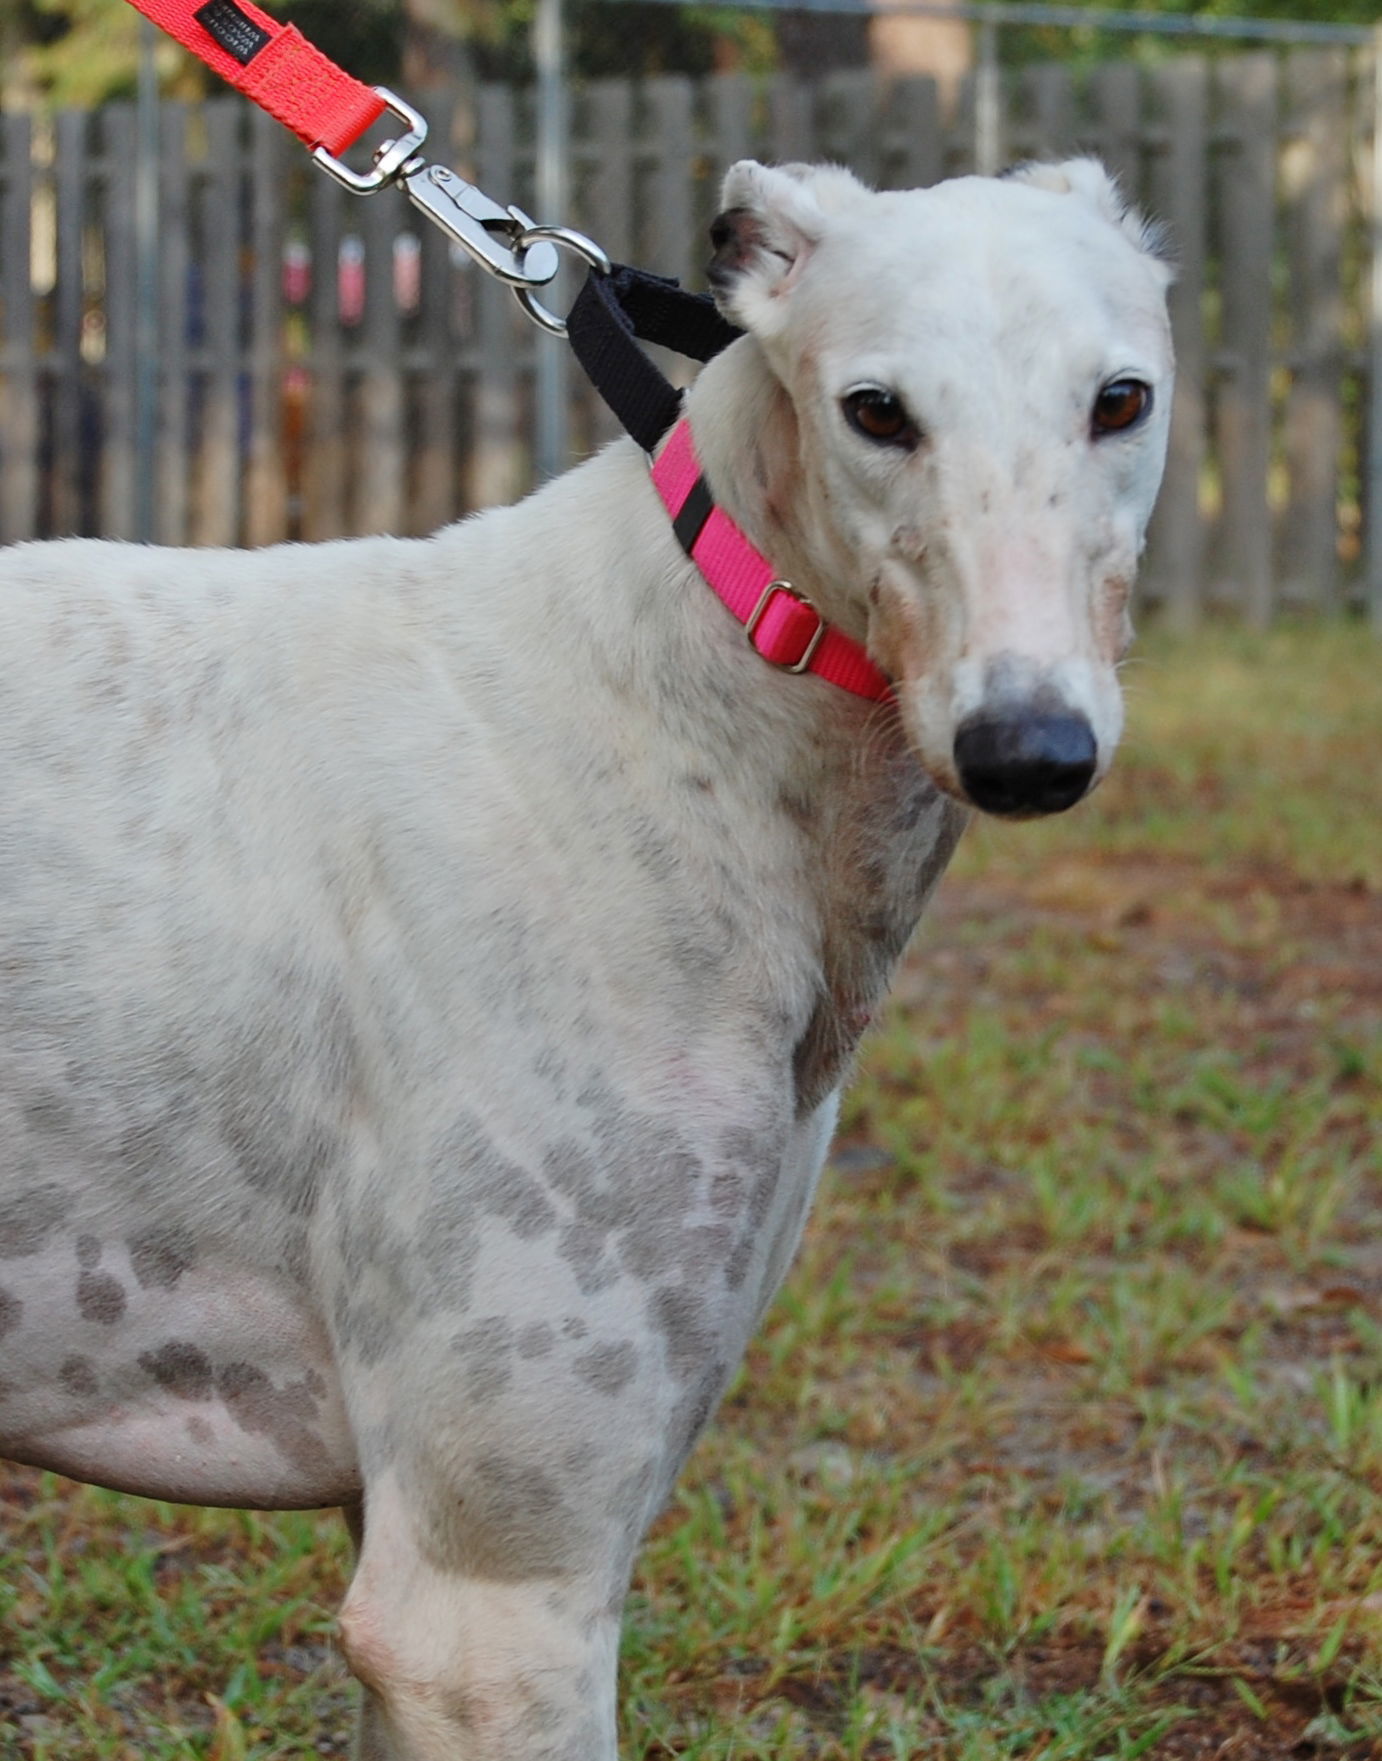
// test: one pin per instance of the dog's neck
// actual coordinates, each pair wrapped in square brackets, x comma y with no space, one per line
[810,795]
[750,446]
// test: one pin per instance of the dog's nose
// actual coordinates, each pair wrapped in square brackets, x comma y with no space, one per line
[1025,763]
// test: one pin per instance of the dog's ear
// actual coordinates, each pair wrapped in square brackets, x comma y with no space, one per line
[772,218]
[1092,182]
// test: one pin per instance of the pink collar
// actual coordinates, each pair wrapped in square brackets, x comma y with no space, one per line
[780,623]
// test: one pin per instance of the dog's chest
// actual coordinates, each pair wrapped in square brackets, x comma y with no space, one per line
[887,846]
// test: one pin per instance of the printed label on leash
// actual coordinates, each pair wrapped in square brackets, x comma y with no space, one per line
[234,30]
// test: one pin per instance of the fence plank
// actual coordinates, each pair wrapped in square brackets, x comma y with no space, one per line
[608,211]
[1246,190]
[672,244]
[324,467]
[1315,177]
[171,513]
[916,109]
[792,122]
[117,380]
[380,463]
[1050,94]
[216,507]
[730,103]
[607,208]
[266,489]
[673,247]
[849,103]
[498,463]
[19,430]
[1177,546]
[69,400]
[433,499]
[1115,132]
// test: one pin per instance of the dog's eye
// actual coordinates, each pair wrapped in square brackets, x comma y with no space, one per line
[879,416]
[1120,405]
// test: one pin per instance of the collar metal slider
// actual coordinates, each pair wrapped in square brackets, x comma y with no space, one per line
[756,616]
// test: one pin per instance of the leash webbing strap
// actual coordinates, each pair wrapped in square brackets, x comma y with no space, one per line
[610,312]
[273,64]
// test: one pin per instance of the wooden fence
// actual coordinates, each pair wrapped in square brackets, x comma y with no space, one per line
[322,364]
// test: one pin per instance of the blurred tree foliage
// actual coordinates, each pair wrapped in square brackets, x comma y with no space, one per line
[1084,45]
[84,51]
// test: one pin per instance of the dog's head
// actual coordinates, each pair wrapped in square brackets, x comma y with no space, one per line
[970,388]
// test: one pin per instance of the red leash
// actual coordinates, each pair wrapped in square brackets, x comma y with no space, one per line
[328,109]
[274,64]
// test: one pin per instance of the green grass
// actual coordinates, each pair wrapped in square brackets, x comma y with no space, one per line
[1065,1438]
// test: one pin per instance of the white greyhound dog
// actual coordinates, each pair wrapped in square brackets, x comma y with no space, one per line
[428,967]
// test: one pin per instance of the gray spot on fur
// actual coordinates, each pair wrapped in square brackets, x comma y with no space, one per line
[737,1267]
[161,1255]
[633,1496]
[78,1377]
[447,1250]
[388,1277]
[521,1511]
[100,1298]
[798,807]
[757,1155]
[536,1340]
[495,1183]
[180,1369]
[609,1367]
[727,1194]
[501,1517]
[365,1329]
[680,1317]
[570,1170]
[29,1218]
[582,1246]
[285,1090]
[630,1190]
[11,1308]
[880,890]
[692,1413]
[283,1415]
[488,1349]
[88,1251]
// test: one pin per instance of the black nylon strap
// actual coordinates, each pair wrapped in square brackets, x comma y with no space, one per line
[695,511]
[610,312]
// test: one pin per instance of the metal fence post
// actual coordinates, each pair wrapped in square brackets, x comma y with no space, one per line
[988,148]
[146,331]
[1374,456]
[552,437]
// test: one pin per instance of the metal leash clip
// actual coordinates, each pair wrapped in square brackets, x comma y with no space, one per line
[505,242]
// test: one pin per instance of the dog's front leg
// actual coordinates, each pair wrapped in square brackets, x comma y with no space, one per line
[462,1666]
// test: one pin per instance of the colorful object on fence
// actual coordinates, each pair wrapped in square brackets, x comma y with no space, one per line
[273,64]
[277,67]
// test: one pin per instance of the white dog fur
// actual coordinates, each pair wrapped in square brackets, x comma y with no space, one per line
[428,968]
